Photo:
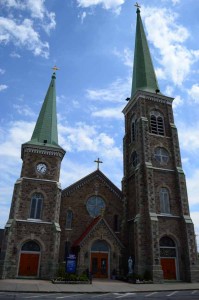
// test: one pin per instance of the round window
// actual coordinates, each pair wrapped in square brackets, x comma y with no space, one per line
[161,155]
[95,205]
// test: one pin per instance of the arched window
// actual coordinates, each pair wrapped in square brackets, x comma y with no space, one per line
[100,246]
[69,219]
[31,246]
[161,155]
[167,247]
[157,123]
[133,129]
[36,206]
[134,158]
[164,201]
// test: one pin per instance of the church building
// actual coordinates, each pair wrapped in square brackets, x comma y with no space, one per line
[147,220]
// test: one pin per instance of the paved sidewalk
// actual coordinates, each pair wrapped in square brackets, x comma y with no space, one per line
[98,286]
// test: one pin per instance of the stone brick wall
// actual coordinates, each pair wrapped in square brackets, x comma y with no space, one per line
[76,201]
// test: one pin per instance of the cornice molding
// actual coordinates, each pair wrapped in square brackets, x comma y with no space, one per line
[143,95]
[42,150]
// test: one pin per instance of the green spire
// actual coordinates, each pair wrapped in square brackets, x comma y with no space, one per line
[144,77]
[45,132]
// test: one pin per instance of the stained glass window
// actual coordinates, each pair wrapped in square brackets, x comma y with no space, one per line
[69,219]
[164,201]
[36,206]
[95,206]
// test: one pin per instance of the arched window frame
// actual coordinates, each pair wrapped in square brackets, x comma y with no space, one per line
[157,123]
[161,155]
[69,219]
[133,129]
[134,158]
[167,247]
[31,246]
[164,201]
[36,206]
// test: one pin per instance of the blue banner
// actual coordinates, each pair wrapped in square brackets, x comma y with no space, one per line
[71,264]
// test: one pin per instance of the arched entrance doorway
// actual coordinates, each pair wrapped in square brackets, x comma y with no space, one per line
[168,255]
[29,259]
[100,259]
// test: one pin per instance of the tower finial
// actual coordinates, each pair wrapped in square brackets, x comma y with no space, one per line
[55,68]
[138,7]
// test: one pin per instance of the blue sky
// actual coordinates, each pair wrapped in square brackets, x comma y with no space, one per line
[92,42]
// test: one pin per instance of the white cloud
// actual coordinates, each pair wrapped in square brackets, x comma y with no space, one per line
[111,113]
[2,71]
[174,2]
[194,92]
[15,55]
[23,35]
[15,134]
[84,137]
[169,37]
[189,136]
[82,16]
[117,91]
[178,101]
[3,87]
[193,187]
[36,9]
[106,4]
[126,56]
[21,32]
[24,110]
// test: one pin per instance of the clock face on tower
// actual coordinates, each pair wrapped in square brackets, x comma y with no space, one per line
[41,168]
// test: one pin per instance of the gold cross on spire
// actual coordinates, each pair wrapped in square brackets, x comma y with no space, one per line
[98,161]
[55,68]
[137,5]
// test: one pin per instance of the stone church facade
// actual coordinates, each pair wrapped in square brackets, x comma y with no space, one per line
[100,224]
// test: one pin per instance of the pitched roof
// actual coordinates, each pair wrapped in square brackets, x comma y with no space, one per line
[144,77]
[96,174]
[45,132]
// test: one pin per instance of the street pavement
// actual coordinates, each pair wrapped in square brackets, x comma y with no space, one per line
[97,286]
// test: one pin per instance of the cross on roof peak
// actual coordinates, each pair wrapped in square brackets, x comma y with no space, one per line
[98,161]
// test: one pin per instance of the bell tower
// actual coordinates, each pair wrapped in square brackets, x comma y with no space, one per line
[32,233]
[161,236]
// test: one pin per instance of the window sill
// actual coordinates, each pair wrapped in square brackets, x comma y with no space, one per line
[68,229]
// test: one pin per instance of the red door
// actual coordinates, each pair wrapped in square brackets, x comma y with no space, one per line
[99,265]
[169,268]
[28,264]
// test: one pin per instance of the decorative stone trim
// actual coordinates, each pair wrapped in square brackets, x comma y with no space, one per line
[187,219]
[34,221]
[153,216]
[39,150]
[89,178]
[100,223]
[179,170]
[147,96]
[167,216]
[40,179]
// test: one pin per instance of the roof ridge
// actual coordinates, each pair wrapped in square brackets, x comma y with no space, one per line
[81,181]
